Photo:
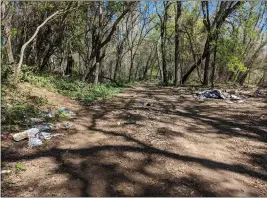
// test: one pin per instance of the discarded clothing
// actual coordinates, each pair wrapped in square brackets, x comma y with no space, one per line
[217,94]
[213,93]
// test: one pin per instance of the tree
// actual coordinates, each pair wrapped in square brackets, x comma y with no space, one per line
[17,69]
[177,27]
[163,37]
[225,9]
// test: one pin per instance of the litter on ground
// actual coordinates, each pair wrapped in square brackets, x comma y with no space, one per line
[217,94]
[38,133]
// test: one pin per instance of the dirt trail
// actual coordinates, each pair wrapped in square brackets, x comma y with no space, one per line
[179,146]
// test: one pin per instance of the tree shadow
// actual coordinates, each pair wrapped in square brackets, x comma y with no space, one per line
[134,167]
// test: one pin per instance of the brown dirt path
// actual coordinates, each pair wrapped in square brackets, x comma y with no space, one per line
[179,146]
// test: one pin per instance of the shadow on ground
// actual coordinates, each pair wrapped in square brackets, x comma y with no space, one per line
[127,165]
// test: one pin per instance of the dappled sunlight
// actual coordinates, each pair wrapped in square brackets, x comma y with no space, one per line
[174,149]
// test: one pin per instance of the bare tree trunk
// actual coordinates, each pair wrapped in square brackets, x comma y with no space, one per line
[159,65]
[206,68]
[17,70]
[163,55]
[7,35]
[213,67]
[99,37]
[176,67]
[97,73]
[163,25]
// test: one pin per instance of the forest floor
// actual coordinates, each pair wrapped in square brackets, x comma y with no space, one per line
[179,146]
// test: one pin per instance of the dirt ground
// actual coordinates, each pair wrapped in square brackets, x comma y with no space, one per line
[179,146]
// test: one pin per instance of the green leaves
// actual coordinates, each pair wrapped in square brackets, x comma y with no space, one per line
[20,167]
[234,64]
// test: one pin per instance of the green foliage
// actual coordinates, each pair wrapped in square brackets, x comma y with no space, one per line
[15,114]
[18,106]
[6,74]
[20,167]
[73,87]
[234,64]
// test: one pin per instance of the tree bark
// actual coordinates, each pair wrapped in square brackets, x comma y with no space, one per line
[17,69]
[213,66]
[206,68]
[107,39]
[99,36]
[6,23]
[176,53]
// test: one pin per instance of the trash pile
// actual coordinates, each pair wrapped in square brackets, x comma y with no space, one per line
[217,94]
[41,130]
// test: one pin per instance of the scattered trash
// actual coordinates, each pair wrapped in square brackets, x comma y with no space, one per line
[68,125]
[32,132]
[237,129]
[38,133]
[20,136]
[5,171]
[46,127]
[36,120]
[33,137]
[25,134]
[66,113]
[45,136]
[213,93]
[34,141]
[235,97]
[259,92]
[217,94]
[61,109]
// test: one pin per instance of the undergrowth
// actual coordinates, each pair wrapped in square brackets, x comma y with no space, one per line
[17,106]
[73,87]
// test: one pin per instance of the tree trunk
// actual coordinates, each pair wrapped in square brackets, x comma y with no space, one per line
[131,65]
[70,64]
[98,42]
[159,64]
[213,66]
[206,68]
[17,70]
[7,35]
[163,38]
[176,53]
[243,77]
[97,73]
[163,55]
